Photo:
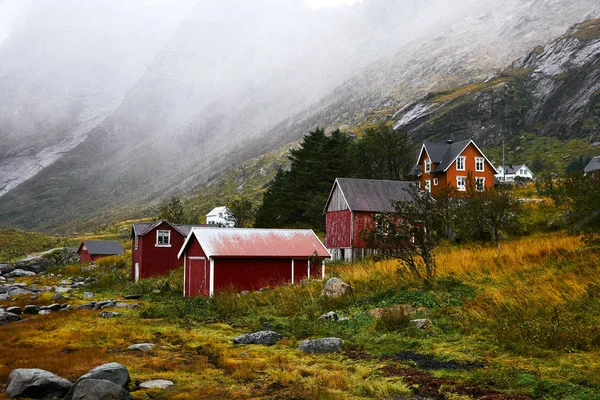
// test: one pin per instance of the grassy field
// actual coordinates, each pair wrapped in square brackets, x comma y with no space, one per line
[521,325]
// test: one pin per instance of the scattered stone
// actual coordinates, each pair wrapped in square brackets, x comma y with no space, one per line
[18,273]
[104,304]
[132,296]
[18,291]
[44,312]
[156,384]
[2,279]
[141,347]
[36,383]
[113,372]
[52,307]
[6,268]
[67,307]
[58,297]
[325,345]
[15,310]
[31,309]
[88,295]
[7,317]
[87,306]
[421,323]
[65,282]
[330,316]
[109,314]
[244,354]
[156,291]
[342,319]
[335,287]
[87,389]
[61,289]
[35,263]
[268,338]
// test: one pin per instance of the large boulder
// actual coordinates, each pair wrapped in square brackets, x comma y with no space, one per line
[112,372]
[335,287]
[35,263]
[18,273]
[6,317]
[268,338]
[36,384]
[99,389]
[6,268]
[325,345]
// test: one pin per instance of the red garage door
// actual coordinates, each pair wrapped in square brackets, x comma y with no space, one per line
[197,279]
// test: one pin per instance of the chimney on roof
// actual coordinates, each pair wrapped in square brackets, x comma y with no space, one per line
[449,141]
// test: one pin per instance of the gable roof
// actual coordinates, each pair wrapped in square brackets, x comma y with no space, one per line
[593,165]
[142,228]
[215,211]
[371,195]
[444,154]
[513,169]
[103,247]
[267,243]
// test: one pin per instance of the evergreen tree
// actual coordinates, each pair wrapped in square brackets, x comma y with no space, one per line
[172,211]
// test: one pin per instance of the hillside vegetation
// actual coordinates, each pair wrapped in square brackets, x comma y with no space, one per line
[522,325]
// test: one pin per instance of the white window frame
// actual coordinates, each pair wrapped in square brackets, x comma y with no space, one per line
[461,161]
[435,181]
[84,248]
[477,180]
[428,166]
[463,187]
[477,161]
[161,233]
[428,185]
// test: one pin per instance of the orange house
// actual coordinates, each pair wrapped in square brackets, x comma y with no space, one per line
[450,164]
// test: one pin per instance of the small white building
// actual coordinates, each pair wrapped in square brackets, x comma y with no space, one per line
[508,173]
[220,216]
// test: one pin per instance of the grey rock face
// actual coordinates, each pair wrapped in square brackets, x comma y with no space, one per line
[35,264]
[325,345]
[6,317]
[335,288]
[36,383]
[156,383]
[141,347]
[88,389]
[329,316]
[267,338]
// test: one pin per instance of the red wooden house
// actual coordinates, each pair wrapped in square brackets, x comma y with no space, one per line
[92,250]
[249,259]
[450,164]
[350,209]
[155,246]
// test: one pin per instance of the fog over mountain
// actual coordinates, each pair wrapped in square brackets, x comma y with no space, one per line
[106,106]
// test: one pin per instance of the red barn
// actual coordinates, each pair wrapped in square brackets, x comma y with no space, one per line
[249,259]
[350,209]
[155,246]
[91,250]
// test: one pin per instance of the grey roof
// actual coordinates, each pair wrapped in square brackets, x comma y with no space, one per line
[444,154]
[373,195]
[512,169]
[141,228]
[103,247]
[186,228]
[593,165]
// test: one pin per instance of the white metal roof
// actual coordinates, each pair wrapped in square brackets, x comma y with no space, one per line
[215,211]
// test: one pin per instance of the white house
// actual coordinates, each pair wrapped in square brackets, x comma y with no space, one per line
[512,172]
[220,216]
[593,167]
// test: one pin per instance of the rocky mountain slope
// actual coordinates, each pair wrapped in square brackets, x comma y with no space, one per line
[554,91]
[215,96]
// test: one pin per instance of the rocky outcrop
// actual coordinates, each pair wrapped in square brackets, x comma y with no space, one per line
[267,338]
[7,317]
[36,384]
[325,345]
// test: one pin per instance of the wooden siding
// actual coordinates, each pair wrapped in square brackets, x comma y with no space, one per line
[338,228]
[337,201]
[154,260]
[363,222]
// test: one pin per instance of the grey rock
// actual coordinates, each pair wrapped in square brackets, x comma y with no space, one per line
[335,288]
[62,289]
[18,273]
[31,309]
[324,345]
[244,354]
[141,347]
[58,297]
[35,263]
[6,268]
[6,317]
[2,279]
[132,296]
[52,307]
[67,307]
[156,384]
[15,310]
[113,372]
[267,338]
[36,383]
[104,304]
[18,291]
[421,323]
[98,389]
[44,312]
[87,306]
[88,295]
[109,314]
[329,316]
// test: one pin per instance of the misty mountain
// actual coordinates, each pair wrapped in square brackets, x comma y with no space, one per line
[237,79]
[554,91]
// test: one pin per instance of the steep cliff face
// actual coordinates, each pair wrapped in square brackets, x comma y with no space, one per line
[554,91]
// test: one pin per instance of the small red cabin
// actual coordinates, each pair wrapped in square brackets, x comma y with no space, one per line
[91,250]
[350,209]
[249,259]
[155,246]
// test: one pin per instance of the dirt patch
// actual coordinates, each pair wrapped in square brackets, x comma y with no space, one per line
[423,383]
[426,361]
